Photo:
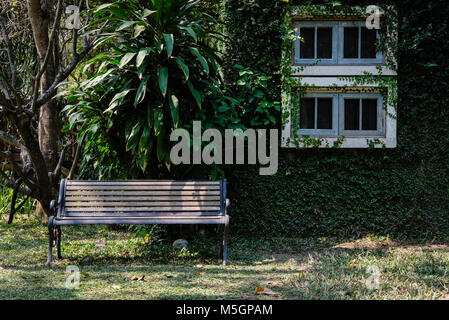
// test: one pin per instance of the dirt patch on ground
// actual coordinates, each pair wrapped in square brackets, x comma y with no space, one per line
[375,244]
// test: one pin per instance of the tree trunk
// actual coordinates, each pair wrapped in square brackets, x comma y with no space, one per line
[40,12]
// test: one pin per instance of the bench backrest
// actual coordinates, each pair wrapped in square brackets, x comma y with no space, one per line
[142,198]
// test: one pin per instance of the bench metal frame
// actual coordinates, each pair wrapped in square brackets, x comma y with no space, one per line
[58,218]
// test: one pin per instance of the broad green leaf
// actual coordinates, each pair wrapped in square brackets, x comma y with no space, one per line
[200,58]
[150,117]
[169,42]
[103,6]
[125,25]
[190,32]
[158,118]
[138,30]
[145,138]
[134,136]
[147,13]
[162,75]
[196,94]
[174,108]
[126,59]
[117,100]
[141,91]
[163,152]
[141,56]
[183,66]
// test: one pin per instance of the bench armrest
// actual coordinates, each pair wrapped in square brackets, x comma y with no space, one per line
[53,207]
[228,203]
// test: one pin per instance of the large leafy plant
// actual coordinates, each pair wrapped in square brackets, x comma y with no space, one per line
[151,77]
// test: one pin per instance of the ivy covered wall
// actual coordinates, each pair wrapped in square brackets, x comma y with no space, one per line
[401,192]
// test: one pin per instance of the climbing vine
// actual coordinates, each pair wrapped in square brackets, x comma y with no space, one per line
[293,86]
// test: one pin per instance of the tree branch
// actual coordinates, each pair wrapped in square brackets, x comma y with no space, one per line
[77,157]
[9,51]
[9,139]
[11,184]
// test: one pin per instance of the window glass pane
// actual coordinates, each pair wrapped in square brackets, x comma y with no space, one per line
[352,114]
[307,113]
[307,49]
[324,43]
[368,49]
[369,114]
[324,113]
[351,43]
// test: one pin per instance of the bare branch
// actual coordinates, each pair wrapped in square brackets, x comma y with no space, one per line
[57,171]
[77,157]
[7,182]
[9,139]
[17,170]
[50,92]
[9,51]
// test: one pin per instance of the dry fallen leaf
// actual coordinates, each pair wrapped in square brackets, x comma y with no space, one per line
[266,291]
[258,290]
[137,278]
[198,273]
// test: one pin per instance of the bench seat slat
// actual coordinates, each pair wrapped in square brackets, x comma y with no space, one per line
[145,209]
[143,183]
[131,215]
[142,198]
[143,188]
[142,203]
[144,193]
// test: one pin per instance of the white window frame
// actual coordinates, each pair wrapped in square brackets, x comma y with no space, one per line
[321,132]
[341,41]
[338,114]
[337,44]
[316,25]
[380,132]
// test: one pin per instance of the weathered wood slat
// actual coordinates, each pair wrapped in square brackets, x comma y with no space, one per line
[143,214]
[142,203]
[143,193]
[143,183]
[144,209]
[144,188]
[142,198]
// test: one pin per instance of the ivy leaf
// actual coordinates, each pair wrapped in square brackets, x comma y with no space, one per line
[162,75]
[169,42]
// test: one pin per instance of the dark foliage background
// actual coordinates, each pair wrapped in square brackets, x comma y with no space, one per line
[402,192]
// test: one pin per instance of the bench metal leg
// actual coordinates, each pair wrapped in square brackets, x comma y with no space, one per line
[58,241]
[51,231]
[225,244]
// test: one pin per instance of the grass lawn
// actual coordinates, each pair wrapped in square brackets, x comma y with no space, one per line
[367,268]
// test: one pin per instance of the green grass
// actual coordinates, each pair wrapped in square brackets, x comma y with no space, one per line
[316,268]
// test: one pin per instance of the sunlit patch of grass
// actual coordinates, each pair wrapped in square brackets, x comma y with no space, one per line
[317,268]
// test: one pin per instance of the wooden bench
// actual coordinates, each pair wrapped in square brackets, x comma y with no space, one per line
[138,202]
